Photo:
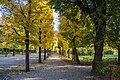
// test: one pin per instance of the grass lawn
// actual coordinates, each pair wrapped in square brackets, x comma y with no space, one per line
[105,58]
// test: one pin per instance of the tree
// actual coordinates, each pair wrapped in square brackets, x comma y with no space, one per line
[43,21]
[73,30]
[20,19]
[113,26]
[47,35]
[25,17]
[63,43]
[12,33]
[70,33]
[96,9]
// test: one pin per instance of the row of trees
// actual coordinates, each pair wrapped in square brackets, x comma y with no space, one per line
[89,22]
[27,23]
[83,23]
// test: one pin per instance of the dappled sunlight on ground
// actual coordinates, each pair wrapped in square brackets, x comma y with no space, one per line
[32,79]
[54,68]
[54,58]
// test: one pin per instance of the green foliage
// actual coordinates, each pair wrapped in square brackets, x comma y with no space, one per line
[85,51]
[102,68]
[60,44]
[72,27]
[90,52]
[106,58]
[0,50]
[80,51]
[113,25]
[115,72]
[109,52]
[16,23]
[109,70]
[23,22]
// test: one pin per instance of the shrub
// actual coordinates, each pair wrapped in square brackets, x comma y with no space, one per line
[0,50]
[110,52]
[115,72]
[80,51]
[85,51]
[112,70]
[102,68]
[90,51]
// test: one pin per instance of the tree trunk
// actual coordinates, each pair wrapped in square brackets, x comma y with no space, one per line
[13,52]
[47,51]
[40,61]
[76,55]
[119,55]
[100,25]
[22,52]
[98,45]
[68,52]
[75,52]
[6,52]
[97,56]
[60,51]
[27,37]
[27,51]
[50,52]
[44,54]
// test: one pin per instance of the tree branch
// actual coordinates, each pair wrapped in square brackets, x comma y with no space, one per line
[84,6]
[16,32]
[21,10]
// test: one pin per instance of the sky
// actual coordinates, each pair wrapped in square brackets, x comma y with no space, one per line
[56,20]
[0,11]
[0,18]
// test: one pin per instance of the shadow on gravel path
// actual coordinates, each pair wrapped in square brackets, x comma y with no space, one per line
[54,68]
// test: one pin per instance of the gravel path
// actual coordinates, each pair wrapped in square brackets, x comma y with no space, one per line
[8,63]
[15,60]
[54,68]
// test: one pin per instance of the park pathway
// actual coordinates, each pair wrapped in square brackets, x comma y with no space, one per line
[55,68]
